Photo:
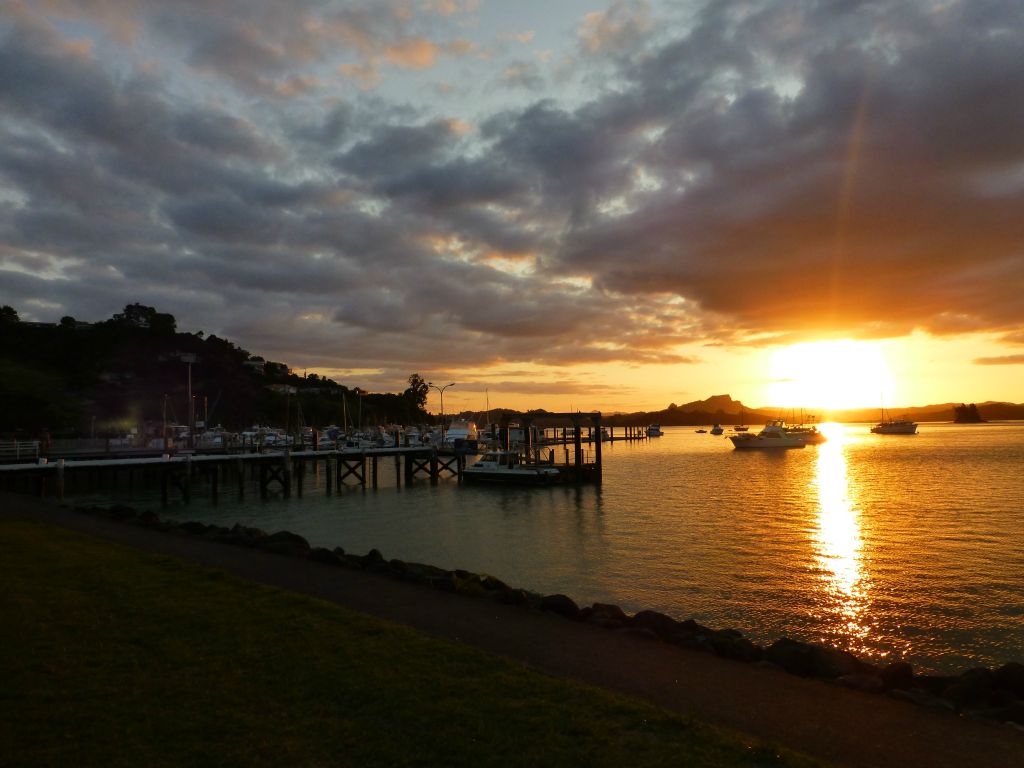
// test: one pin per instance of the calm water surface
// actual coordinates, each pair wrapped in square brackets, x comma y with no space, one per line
[887,545]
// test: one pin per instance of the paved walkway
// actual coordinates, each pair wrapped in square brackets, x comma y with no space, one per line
[847,728]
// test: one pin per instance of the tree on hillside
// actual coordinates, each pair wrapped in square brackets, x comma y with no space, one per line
[141,316]
[8,314]
[417,391]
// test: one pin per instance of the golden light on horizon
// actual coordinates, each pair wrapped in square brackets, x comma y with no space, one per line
[830,375]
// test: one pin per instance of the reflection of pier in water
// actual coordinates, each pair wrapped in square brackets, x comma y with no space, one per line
[839,545]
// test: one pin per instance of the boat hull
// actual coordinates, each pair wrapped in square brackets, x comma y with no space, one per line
[757,443]
[511,476]
[895,429]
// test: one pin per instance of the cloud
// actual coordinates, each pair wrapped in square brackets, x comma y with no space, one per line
[622,26]
[412,54]
[1005,360]
[523,74]
[757,173]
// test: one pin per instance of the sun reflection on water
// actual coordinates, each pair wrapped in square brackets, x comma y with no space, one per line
[838,544]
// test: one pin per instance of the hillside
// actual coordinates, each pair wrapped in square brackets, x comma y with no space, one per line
[134,370]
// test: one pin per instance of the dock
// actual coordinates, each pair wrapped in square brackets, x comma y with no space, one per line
[285,471]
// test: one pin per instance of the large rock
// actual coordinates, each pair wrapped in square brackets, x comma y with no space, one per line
[604,615]
[658,623]
[1010,677]
[284,543]
[793,656]
[971,690]
[563,605]
[731,644]
[323,555]
[897,674]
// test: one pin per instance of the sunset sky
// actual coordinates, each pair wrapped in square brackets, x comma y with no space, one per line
[559,204]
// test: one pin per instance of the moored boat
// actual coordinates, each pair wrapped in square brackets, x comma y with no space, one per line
[508,467]
[895,427]
[890,426]
[717,429]
[774,435]
[654,430]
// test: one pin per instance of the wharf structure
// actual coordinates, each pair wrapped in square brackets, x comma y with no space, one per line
[285,471]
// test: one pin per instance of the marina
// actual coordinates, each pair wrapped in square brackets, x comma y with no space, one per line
[907,549]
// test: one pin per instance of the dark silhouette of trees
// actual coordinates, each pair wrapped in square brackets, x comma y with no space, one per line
[967,414]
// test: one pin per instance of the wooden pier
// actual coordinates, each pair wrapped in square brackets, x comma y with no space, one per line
[282,471]
[285,471]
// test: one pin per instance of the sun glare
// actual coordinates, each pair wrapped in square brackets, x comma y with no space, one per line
[829,375]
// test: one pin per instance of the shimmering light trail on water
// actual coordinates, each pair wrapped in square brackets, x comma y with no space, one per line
[890,546]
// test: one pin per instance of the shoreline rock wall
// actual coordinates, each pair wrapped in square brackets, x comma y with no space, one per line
[981,692]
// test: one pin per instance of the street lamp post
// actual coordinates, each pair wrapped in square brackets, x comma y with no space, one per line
[441,390]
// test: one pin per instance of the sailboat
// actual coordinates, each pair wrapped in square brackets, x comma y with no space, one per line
[890,426]
[741,427]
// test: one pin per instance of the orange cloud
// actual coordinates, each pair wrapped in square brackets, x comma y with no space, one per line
[417,53]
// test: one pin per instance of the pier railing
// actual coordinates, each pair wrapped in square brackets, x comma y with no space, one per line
[19,450]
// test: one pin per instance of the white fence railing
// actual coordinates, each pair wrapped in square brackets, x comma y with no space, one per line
[19,450]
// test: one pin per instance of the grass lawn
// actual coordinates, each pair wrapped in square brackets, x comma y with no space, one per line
[110,656]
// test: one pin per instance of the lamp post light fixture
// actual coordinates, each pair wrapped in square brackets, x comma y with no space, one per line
[441,390]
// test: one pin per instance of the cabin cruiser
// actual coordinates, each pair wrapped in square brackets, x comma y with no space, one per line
[807,432]
[717,429]
[774,435]
[895,427]
[654,430]
[508,467]
[460,436]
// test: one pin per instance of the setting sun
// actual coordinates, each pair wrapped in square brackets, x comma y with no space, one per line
[830,375]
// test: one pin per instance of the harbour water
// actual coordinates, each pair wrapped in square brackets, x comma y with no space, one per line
[907,547]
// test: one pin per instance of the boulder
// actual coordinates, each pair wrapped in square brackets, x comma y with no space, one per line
[897,674]
[861,681]
[284,543]
[193,528]
[731,644]
[560,604]
[491,583]
[605,615]
[658,623]
[1010,677]
[971,690]
[322,555]
[793,656]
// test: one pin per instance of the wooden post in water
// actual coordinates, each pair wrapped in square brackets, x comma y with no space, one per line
[434,471]
[373,469]
[578,451]
[597,451]
[329,476]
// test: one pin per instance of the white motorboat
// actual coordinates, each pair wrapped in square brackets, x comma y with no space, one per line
[654,430]
[895,427]
[508,467]
[774,435]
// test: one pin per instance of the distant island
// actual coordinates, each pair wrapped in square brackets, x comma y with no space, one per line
[968,414]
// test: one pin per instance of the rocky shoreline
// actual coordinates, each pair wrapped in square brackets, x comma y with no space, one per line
[995,694]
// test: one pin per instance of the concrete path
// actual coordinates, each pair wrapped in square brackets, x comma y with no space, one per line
[847,728]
